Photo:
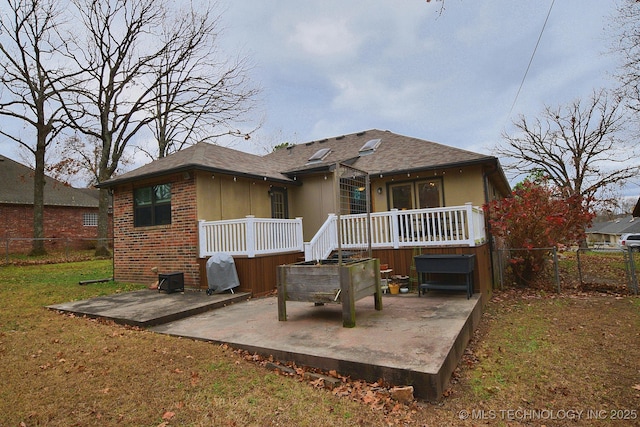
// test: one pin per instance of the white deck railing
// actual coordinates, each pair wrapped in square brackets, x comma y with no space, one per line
[250,236]
[324,242]
[450,226]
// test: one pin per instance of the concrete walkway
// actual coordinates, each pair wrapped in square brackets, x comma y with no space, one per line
[414,340]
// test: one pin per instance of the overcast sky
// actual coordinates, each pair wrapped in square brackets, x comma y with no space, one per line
[334,67]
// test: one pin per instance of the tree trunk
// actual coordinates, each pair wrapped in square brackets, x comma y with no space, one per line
[37,247]
[103,224]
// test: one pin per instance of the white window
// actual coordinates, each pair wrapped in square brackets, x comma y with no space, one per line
[90,219]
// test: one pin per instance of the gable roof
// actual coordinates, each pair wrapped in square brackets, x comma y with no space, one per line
[207,157]
[391,155]
[17,188]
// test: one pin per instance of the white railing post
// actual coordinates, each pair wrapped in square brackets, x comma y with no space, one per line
[202,239]
[299,234]
[395,231]
[251,236]
[481,225]
[333,233]
[471,223]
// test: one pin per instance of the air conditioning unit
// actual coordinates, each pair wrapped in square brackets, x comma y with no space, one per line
[171,282]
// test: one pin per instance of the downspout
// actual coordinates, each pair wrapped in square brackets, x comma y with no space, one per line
[487,223]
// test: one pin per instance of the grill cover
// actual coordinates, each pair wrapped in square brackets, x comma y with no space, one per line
[221,273]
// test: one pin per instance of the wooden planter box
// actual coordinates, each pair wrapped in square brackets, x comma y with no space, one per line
[328,282]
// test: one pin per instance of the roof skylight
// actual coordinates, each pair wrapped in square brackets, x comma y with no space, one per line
[319,155]
[370,146]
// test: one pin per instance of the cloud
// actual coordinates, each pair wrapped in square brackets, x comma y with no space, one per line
[325,38]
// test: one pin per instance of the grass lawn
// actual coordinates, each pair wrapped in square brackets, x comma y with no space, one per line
[536,359]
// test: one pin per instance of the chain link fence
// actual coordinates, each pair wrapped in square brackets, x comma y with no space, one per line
[590,269]
[16,250]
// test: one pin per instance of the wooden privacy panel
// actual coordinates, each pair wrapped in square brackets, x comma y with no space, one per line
[258,275]
[400,260]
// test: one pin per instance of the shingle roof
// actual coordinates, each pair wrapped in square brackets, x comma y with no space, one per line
[628,224]
[17,188]
[395,153]
[205,156]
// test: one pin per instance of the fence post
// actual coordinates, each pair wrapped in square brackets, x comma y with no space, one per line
[632,270]
[501,267]
[579,266]
[555,266]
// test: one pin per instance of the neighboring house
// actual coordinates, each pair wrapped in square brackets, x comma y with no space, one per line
[607,233]
[160,208]
[70,214]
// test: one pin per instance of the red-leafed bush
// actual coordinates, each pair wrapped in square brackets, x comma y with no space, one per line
[534,217]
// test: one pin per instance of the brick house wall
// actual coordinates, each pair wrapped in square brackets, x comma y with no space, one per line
[60,222]
[170,248]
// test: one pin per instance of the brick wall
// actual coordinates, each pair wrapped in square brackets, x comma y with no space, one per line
[60,222]
[170,248]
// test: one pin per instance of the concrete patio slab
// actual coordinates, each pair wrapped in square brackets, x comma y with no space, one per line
[414,340]
[146,308]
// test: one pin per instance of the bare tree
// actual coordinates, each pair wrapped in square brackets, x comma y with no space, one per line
[120,56]
[146,66]
[200,95]
[31,79]
[580,148]
[76,159]
[625,27]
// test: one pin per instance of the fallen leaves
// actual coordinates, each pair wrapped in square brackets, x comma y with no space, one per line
[377,395]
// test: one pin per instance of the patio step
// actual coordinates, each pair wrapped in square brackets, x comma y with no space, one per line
[147,308]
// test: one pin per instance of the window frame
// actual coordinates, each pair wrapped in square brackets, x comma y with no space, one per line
[413,187]
[153,210]
[90,219]
[279,203]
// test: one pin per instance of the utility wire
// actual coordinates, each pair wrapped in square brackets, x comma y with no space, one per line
[531,59]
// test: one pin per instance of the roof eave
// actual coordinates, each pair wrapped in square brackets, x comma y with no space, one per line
[187,168]
[465,163]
